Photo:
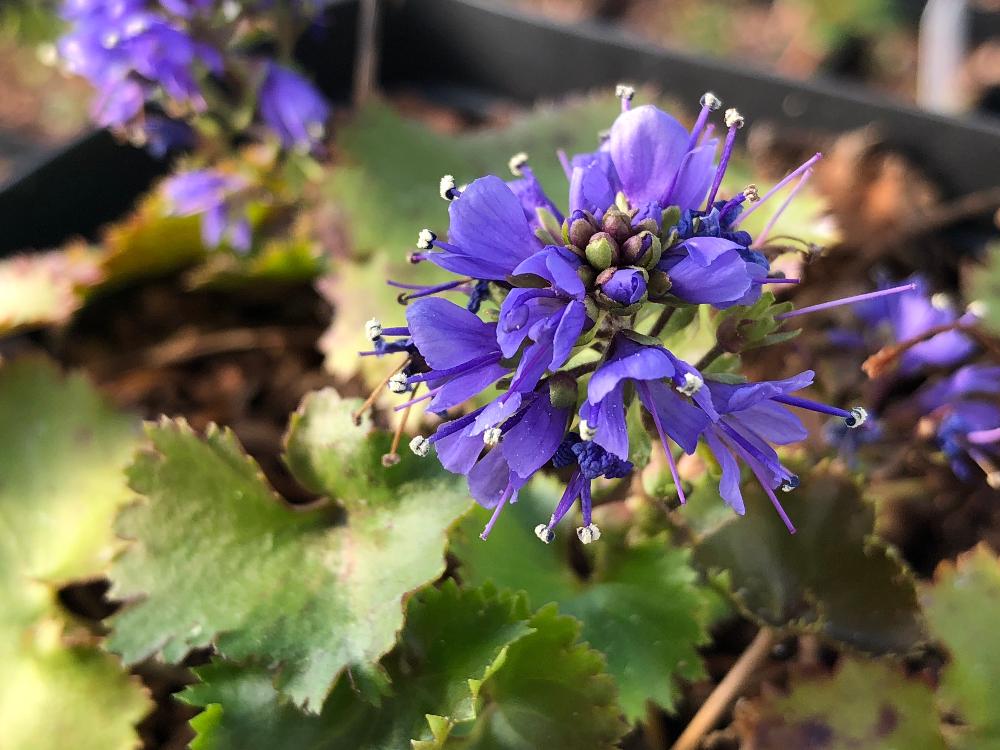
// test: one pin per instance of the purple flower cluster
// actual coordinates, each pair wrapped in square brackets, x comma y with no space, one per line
[214,196]
[150,61]
[960,398]
[582,299]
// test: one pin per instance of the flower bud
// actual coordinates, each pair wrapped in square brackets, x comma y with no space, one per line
[562,391]
[580,227]
[626,286]
[642,249]
[602,251]
[617,224]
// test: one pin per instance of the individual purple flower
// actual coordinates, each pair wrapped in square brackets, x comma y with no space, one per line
[713,271]
[546,321]
[292,108]
[209,193]
[964,406]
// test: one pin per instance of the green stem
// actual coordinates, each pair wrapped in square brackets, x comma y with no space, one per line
[661,322]
[710,356]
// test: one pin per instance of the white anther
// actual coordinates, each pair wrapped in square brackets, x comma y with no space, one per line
[586,431]
[993,479]
[710,100]
[516,162]
[751,193]
[692,384]
[941,301]
[977,308]
[231,10]
[373,329]
[624,91]
[858,417]
[491,436]
[734,118]
[316,130]
[390,459]
[588,534]
[446,187]
[397,383]
[790,484]
[425,239]
[544,533]
[420,445]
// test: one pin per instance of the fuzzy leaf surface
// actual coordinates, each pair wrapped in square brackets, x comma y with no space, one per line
[640,605]
[865,704]
[217,558]
[962,607]
[831,577]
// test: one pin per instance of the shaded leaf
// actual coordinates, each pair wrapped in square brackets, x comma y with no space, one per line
[832,577]
[985,289]
[639,606]
[866,705]
[962,607]
[60,484]
[217,558]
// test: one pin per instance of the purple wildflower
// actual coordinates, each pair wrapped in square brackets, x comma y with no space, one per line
[209,193]
[575,296]
[292,108]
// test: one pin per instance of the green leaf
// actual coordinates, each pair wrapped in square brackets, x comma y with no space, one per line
[832,577]
[60,485]
[452,639]
[468,664]
[866,705]
[962,608]
[639,606]
[217,558]
[45,288]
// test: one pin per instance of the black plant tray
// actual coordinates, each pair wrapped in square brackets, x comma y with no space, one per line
[469,53]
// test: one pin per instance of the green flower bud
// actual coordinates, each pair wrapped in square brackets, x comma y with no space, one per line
[659,283]
[581,229]
[602,251]
[562,391]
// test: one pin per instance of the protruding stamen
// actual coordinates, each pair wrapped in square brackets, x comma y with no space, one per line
[447,188]
[709,103]
[751,193]
[846,301]
[691,385]
[425,240]
[784,181]
[544,533]
[491,436]
[734,119]
[565,162]
[589,533]
[586,431]
[397,383]
[625,93]
[857,417]
[496,512]
[420,445]
[762,237]
[373,329]
[805,403]
[790,484]
[356,416]
[644,389]
[516,163]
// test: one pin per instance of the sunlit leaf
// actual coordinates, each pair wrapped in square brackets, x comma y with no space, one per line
[639,605]
[962,607]
[217,558]
[45,288]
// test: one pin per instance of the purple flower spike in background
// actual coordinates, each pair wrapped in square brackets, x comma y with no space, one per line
[580,298]
[209,193]
[292,108]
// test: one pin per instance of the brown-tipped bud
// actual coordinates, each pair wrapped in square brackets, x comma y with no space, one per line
[642,249]
[581,226]
[659,283]
[602,251]
[647,225]
[617,224]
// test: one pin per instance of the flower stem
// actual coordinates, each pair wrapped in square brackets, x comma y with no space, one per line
[726,691]
[661,321]
[710,356]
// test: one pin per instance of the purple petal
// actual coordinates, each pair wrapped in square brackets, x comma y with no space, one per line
[489,478]
[723,281]
[647,146]
[593,183]
[570,327]
[694,179]
[461,388]
[459,451]
[609,419]
[448,335]
[489,230]
[731,398]
[629,359]
[521,311]
[772,422]
[681,420]
[534,439]
[729,483]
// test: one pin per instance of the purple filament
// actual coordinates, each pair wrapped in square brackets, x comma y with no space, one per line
[846,301]
[804,403]
[787,178]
